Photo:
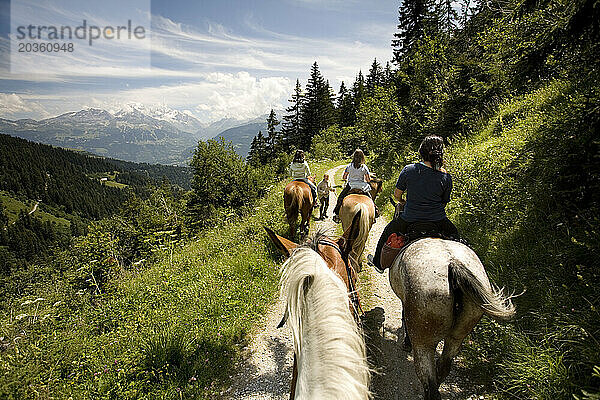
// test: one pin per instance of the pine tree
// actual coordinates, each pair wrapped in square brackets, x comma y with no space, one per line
[273,140]
[388,75]
[415,17]
[345,107]
[317,111]
[290,128]
[374,77]
[358,91]
[253,155]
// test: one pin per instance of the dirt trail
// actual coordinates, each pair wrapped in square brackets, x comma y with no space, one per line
[266,369]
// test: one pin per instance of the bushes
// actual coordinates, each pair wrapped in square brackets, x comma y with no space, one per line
[222,180]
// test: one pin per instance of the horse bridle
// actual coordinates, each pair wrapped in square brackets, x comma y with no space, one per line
[353,292]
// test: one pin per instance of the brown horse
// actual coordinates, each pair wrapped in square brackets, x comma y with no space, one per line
[322,307]
[297,199]
[351,206]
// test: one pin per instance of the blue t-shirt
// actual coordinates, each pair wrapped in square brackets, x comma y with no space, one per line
[427,192]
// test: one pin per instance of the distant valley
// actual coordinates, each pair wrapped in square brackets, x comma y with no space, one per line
[136,133]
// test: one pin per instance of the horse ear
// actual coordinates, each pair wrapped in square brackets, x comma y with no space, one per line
[350,234]
[284,245]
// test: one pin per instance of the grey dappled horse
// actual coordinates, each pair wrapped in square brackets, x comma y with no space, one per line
[444,291]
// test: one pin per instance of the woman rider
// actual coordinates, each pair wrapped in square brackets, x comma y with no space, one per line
[358,176]
[428,187]
[300,171]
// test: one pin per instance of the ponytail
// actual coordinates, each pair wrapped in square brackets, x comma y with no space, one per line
[432,150]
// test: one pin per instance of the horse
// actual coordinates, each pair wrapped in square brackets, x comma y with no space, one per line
[297,199]
[444,291]
[354,203]
[318,283]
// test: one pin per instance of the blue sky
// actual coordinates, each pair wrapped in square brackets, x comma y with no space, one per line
[212,59]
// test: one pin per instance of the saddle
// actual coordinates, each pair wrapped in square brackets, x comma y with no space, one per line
[397,243]
[358,191]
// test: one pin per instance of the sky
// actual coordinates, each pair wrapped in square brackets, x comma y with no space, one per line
[210,59]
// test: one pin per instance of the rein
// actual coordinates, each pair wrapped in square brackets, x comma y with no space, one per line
[353,293]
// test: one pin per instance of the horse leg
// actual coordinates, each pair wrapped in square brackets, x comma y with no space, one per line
[464,322]
[444,363]
[426,372]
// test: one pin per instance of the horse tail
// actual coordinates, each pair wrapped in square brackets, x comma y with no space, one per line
[492,300]
[364,226]
[293,203]
[329,347]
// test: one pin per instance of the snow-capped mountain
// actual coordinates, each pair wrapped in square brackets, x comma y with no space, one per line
[133,133]
[127,135]
[182,120]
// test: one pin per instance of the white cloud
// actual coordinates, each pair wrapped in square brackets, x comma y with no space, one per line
[14,106]
[220,73]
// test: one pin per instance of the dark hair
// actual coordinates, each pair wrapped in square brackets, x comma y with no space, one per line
[432,150]
[299,156]
[358,158]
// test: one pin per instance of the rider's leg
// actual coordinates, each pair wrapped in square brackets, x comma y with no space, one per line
[395,226]
[313,190]
[340,199]
[448,229]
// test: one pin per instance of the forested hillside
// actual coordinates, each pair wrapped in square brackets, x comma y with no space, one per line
[154,300]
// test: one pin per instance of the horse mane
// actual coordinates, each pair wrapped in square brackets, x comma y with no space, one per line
[329,346]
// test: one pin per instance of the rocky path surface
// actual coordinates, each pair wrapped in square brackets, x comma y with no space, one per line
[266,369]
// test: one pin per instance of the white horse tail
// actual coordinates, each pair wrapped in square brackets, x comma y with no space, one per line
[492,300]
[364,226]
[330,349]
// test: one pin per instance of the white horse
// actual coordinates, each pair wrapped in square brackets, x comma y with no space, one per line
[329,348]
[444,291]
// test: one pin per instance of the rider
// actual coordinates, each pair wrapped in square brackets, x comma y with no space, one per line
[358,176]
[300,171]
[428,187]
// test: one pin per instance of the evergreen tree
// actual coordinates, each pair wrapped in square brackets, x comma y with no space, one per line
[388,75]
[345,107]
[374,77]
[317,110]
[358,91]
[253,154]
[273,140]
[290,128]
[414,18]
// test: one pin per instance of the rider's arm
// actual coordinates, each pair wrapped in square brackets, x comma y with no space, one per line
[398,195]
[345,176]
[307,169]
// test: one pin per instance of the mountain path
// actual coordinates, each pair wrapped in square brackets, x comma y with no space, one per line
[266,367]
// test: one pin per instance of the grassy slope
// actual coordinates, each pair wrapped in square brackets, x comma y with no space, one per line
[170,330]
[13,206]
[507,203]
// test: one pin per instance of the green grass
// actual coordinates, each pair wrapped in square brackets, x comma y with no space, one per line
[13,206]
[518,200]
[169,330]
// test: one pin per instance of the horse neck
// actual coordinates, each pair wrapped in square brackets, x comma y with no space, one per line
[329,347]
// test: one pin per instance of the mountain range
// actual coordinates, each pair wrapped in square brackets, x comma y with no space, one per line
[137,133]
